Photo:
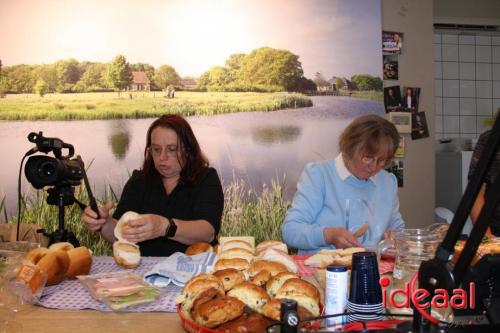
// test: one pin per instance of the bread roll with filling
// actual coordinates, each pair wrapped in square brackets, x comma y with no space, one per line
[123,223]
[261,278]
[126,254]
[270,266]
[61,246]
[218,311]
[254,297]
[230,277]
[272,254]
[199,247]
[80,262]
[55,264]
[275,283]
[236,263]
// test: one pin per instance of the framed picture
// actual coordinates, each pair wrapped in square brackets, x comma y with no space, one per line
[402,120]
[392,99]
[391,67]
[392,42]
[419,129]
[410,98]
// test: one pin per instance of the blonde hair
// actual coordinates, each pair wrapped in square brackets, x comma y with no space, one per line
[369,134]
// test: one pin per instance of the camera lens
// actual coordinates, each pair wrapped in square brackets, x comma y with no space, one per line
[47,169]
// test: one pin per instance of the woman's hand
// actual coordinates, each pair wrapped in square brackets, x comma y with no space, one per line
[89,217]
[340,237]
[146,226]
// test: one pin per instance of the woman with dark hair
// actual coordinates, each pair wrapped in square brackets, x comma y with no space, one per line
[178,195]
[349,201]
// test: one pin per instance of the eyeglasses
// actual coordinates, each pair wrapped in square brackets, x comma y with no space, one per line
[170,150]
[381,162]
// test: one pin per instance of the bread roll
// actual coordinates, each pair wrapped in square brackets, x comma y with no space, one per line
[272,310]
[126,254]
[247,323]
[55,264]
[275,283]
[237,243]
[254,297]
[272,254]
[319,260]
[218,311]
[271,244]
[31,275]
[122,223]
[237,252]
[199,247]
[61,246]
[36,254]
[270,266]
[230,277]
[261,278]
[80,262]
[236,263]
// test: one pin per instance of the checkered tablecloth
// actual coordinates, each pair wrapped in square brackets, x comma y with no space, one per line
[72,295]
[384,266]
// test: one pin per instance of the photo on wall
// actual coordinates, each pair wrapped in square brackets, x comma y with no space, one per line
[392,42]
[410,98]
[400,151]
[391,67]
[402,121]
[392,99]
[211,59]
[419,129]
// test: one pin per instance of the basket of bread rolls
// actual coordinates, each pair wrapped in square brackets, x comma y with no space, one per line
[244,291]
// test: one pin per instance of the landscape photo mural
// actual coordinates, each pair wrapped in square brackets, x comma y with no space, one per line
[267,85]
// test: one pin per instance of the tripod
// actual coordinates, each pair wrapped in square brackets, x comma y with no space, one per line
[62,196]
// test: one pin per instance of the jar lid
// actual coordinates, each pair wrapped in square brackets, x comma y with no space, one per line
[336,268]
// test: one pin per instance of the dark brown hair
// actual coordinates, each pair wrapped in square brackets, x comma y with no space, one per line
[192,161]
[368,134]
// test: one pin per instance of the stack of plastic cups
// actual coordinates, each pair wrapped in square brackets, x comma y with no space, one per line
[365,294]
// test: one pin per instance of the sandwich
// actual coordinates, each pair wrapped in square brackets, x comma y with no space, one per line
[125,253]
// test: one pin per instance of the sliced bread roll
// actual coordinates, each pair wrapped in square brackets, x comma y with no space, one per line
[125,253]
[273,254]
[237,252]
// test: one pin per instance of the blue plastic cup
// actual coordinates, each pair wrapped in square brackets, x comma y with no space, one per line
[365,287]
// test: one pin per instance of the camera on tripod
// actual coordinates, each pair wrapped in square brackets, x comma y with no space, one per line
[61,174]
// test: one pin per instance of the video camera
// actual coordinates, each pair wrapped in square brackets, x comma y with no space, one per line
[62,173]
[44,171]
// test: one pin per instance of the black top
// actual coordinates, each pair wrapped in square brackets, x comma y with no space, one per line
[202,200]
[490,176]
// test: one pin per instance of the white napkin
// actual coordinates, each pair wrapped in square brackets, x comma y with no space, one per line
[180,268]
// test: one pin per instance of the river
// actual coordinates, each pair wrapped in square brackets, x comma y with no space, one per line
[254,146]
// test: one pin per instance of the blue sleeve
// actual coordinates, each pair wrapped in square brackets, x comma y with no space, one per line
[397,221]
[299,229]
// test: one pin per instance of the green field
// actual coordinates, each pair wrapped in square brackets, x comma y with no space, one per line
[112,105]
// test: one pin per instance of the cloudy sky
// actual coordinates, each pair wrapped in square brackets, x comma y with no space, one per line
[334,37]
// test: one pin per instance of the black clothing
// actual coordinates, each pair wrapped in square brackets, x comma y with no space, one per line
[202,200]
[490,176]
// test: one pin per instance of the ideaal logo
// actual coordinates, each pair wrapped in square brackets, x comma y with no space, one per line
[441,299]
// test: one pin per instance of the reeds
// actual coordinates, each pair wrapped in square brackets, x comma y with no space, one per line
[247,211]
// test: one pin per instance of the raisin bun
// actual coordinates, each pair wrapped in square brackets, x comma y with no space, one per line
[306,294]
[199,247]
[236,263]
[253,296]
[261,278]
[230,277]
[125,253]
[199,290]
[275,283]
[272,310]
[247,323]
[270,266]
[218,311]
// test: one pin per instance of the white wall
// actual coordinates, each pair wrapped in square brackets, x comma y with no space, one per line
[480,12]
[416,69]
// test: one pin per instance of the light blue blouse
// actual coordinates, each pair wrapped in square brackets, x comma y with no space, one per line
[328,195]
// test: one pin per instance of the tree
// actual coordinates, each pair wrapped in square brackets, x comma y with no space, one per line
[21,78]
[166,75]
[119,74]
[41,87]
[215,79]
[272,67]
[367,82]
[68,74]
[320,80]
[48,74]
[92,78]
